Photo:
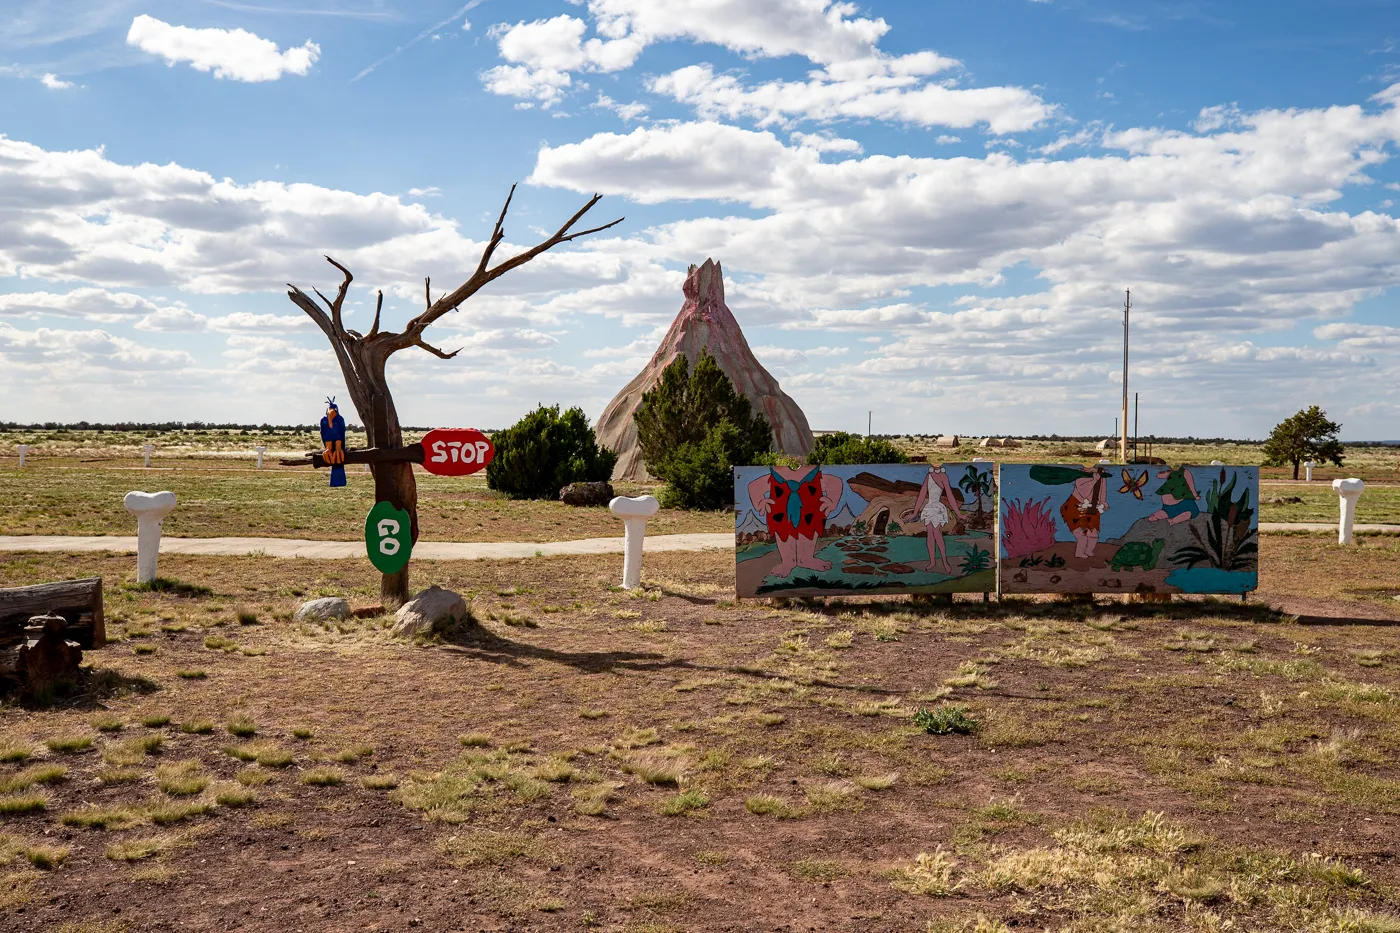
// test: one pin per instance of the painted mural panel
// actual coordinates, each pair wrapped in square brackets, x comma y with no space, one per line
[1135,529]
[860,530]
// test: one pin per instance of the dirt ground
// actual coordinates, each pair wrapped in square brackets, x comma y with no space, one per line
[667,759]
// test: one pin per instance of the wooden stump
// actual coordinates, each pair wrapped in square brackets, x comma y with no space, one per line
[44,659]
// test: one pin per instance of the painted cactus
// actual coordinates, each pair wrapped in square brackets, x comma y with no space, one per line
[1027,527]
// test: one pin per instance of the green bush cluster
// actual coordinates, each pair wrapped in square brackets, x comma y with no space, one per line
[840,448]
[693,428]
[544,452]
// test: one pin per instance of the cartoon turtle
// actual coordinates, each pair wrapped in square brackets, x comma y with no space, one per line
[1137,554]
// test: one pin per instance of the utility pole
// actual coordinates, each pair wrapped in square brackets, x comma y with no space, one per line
[869,421]
[1123,437]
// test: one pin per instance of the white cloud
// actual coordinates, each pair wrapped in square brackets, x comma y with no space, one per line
[855,80]
[54,82]
[83,356]
[628,112]
[173,320]
[429,192]
[230,53]
[86,303]
[890,89]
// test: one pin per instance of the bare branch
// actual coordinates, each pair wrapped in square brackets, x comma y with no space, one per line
[591,230]
[428,291]
[340,296]
[484,275]
[498,234]
[379,305]
[420,342]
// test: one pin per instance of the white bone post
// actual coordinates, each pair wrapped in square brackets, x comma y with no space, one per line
[1349,490]
[150,509]
[634,512]
[260,451]
[146,449]
[1217,463]
[23,449]
[1308,466]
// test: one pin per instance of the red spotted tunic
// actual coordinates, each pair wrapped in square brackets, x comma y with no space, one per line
[797,510]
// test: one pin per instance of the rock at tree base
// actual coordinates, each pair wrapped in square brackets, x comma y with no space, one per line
[705,322]
[434,610]
[315,610]
[587,494]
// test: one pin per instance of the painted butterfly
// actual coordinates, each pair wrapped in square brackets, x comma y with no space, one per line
[1133,486]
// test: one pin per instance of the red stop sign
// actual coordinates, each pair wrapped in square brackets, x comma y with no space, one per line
[456,451]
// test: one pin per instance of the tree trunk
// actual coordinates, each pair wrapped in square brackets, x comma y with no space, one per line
[1295,469]
[393,482]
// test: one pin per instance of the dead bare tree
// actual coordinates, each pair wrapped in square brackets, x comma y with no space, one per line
[363,359]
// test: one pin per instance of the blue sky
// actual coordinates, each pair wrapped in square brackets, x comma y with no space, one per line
[934,205]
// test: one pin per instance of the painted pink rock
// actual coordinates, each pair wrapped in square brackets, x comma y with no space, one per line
[705,322]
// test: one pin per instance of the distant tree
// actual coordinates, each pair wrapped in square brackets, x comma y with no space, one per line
[693,428]
[839,448]
[1308,435]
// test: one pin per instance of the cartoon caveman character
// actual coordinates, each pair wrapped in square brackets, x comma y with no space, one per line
[796,504]
[333,435]
[1179,497]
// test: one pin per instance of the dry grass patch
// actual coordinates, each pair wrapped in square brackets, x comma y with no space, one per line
[770,805]
[686,803]
[242,726]
[69,744]
[100,817]
[655,768]
[28,777]
[17,804]
[930,875]
[379,781]
[322,777]
[132,850]
[181,778]
[485,847]
[13,749]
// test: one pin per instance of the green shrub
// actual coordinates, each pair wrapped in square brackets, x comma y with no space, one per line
[693,428]
[946,719]
[546,451]
[842,448]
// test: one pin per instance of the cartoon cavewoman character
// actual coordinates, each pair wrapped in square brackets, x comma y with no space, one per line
[934,514]
[796,503]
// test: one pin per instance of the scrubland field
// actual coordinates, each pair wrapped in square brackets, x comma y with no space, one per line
[75,481]
[668,759]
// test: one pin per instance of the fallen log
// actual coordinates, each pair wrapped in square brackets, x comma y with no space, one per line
[78,602]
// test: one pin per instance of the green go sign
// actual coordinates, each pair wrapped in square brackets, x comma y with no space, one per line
[388,537]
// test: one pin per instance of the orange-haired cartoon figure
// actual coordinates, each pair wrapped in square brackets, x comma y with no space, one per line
[796,504]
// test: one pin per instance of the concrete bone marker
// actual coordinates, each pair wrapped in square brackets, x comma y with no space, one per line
[1308,466]
[260,451]
[1348,490]
[23,449]
[150,509]
[147,448]
[634,512]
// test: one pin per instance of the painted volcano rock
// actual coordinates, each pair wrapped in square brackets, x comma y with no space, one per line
[705,322]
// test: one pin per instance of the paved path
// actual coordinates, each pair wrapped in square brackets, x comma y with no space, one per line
[451,550]
[1359,528]
[425,550]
